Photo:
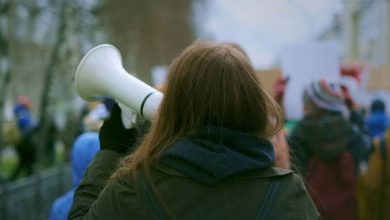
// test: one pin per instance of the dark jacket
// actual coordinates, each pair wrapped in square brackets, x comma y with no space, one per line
[210,174]
[328,150]
[377,123]
[327,137]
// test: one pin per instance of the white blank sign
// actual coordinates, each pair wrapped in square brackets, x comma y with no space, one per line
[303,63]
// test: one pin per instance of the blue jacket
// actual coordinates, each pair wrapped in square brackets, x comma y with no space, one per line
[84,149]
[25,120]
[377,123]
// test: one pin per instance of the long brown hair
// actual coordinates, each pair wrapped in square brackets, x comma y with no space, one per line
[207,83]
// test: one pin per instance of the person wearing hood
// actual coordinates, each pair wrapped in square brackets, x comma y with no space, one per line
[207,154]
[84,149]
[327,149]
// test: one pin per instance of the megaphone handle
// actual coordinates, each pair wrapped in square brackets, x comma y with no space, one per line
[128,116]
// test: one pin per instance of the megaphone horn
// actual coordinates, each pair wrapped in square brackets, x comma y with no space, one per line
[100,73]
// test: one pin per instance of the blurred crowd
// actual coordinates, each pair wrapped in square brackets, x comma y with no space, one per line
[341,149]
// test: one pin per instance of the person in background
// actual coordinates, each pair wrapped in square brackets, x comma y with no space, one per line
[376,180]
[327,149]
[207,154]
[26,125]
[84,149]
[377,122]
[374,183]
[279,89]
[356,118]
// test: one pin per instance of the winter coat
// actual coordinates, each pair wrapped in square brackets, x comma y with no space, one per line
[210,174]
[84,149]
[377,123]
[27,126]
[327,137]
[327,150]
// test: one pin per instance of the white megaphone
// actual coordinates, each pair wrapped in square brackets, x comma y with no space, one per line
[100,74]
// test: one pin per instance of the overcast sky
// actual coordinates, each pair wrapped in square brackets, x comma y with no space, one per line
[262,27]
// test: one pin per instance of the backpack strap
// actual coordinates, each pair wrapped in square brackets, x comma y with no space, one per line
[146,195]
[269,197]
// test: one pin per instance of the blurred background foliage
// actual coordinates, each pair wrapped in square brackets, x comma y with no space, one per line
[42,41]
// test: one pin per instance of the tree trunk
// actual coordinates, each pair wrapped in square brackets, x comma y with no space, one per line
[5,71]
[45,131]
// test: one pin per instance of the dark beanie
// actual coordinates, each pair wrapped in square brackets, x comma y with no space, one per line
[378,106]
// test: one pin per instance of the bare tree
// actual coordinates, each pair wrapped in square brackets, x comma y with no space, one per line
[5,70]
[76,26]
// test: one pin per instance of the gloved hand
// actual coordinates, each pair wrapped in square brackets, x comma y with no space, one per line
[113,136]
